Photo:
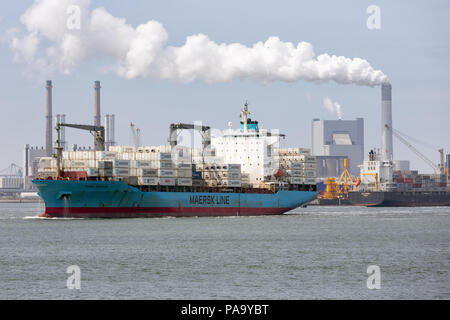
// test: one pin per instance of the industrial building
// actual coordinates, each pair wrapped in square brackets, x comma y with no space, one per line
[401,165]
[334,140]
[11,181]
[31,156]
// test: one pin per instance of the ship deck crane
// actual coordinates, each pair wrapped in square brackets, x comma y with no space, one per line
[97,131]
[204,130]
[435,167]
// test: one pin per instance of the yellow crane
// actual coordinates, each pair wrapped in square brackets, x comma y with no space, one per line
[345,181]
[340,189]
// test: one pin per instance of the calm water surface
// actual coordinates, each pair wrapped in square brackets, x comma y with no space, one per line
[310,253]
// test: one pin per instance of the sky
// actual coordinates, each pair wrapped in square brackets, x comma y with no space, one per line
[411,48]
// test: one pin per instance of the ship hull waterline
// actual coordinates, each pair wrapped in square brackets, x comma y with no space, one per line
[400,199]
[114,199]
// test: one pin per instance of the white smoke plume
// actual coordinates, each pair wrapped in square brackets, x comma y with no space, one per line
[333,107]
[50,45]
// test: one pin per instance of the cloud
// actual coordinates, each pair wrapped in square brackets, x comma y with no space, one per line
[143,51]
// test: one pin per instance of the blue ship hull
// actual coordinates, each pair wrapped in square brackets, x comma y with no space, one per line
[115,199]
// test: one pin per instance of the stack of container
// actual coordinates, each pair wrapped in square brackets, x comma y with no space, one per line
[182,162]
[412,181]
[144,166]
[298,165]
[245,180]
[47,167]
[222,175]
[105,169]
[197,180]
[301,173]
[121,168]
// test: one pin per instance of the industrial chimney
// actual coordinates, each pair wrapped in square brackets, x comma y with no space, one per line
[48,118]
[97,115]
[386,122]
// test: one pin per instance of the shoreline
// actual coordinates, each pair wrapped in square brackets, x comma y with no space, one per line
[20,200]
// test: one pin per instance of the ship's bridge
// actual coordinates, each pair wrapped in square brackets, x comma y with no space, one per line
[252,126]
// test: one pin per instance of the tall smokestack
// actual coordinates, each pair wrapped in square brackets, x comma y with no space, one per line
[386,119]
[48,118]
[97,115]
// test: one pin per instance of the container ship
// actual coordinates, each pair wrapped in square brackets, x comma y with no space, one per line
[226,179]
[381,186]
[116,199]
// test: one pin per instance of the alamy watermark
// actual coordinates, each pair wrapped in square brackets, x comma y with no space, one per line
[74,280]
[74,20]
[374,280]
[374,20]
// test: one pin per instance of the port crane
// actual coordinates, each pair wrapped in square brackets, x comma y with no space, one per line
[340,189]
[13,170]
[440,167]
[136,135]
[345,181]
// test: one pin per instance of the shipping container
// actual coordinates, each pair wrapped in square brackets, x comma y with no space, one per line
[166,181]
[297,180]
[121,172]
[183,173]
[165,156]
[148,181]
[196,175]
[105,164]
[121,163]
[231,183]
[166,173]
[184,181]
[147,172]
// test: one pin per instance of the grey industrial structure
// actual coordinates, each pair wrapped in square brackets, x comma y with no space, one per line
[329,166]
[401,165]
[334,140]
[387,150]
[31,157]
[48,119]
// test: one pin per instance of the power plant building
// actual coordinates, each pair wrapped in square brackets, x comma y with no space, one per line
[338,139]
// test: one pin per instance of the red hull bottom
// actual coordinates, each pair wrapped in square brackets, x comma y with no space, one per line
[120,212]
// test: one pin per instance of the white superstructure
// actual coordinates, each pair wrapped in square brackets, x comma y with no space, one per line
[255,149]
[376,174]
